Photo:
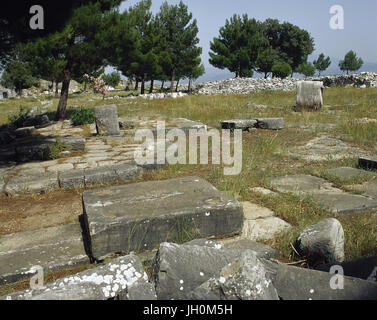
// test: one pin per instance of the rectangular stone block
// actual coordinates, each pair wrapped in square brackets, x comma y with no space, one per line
[72,179]
[369,163]
[35,183]
[51,248]
[98,176]
[243,124]
[140,216]
[107,122]
[309,95]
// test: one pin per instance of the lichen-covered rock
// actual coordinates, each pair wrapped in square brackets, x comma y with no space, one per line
[244,279]
[105,282]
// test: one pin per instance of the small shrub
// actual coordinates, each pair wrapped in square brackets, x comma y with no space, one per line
[281,70]
[82,115]
[54,152]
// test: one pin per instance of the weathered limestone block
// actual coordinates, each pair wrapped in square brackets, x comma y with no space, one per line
[244,279]
[243,124]
[107,122]
[309,95]
[270,123]
[140,216]
[322,242]
[124,276]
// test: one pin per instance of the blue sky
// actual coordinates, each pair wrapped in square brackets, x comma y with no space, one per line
[359,23]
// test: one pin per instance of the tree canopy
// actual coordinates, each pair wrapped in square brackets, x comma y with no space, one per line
[351,62]
[322,63]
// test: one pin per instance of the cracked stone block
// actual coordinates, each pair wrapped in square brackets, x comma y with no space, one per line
[253,211]
[140,216]
[24,132]
[33,149]
[244,279]
[178,269]
[36,183]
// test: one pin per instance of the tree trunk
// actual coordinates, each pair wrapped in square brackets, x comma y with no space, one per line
[56,89]
[176,88]
[143,85]
[189,85]
[60,113]
[172,81]
[151,88]
[162,85]
[137,85]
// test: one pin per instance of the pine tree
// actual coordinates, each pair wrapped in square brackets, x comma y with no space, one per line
[266,60]
[180,39]
[18,75]
[322,63]
[351,62]
[307,69]
[237,46]
[293,44]
[83,44]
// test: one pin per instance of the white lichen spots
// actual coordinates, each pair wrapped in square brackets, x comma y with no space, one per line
[201,274]
[181,288]
[259,288]
[218,246]
[208,214]
[9,298]
[248,293]
[181,282]
[222,280]
[311,291]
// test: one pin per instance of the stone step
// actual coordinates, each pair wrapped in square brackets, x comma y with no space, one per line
[140,216]
[51,248]
[43,182]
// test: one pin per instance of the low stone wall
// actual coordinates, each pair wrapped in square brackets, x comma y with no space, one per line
[248,85]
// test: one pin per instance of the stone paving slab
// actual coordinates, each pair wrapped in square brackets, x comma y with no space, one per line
[35,183]
[322,192]
[324,148]
[51,248]
[344,203]
[140,216]
[347,173]
[369,189]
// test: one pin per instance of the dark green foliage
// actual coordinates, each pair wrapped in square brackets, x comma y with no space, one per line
[351,62]
[265,61]
[322,63]
[19,118]
[293,44]
[82,116]
[112,79]
[18,75]
[179,42]
[307,69]
[237,46]
[281,70]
